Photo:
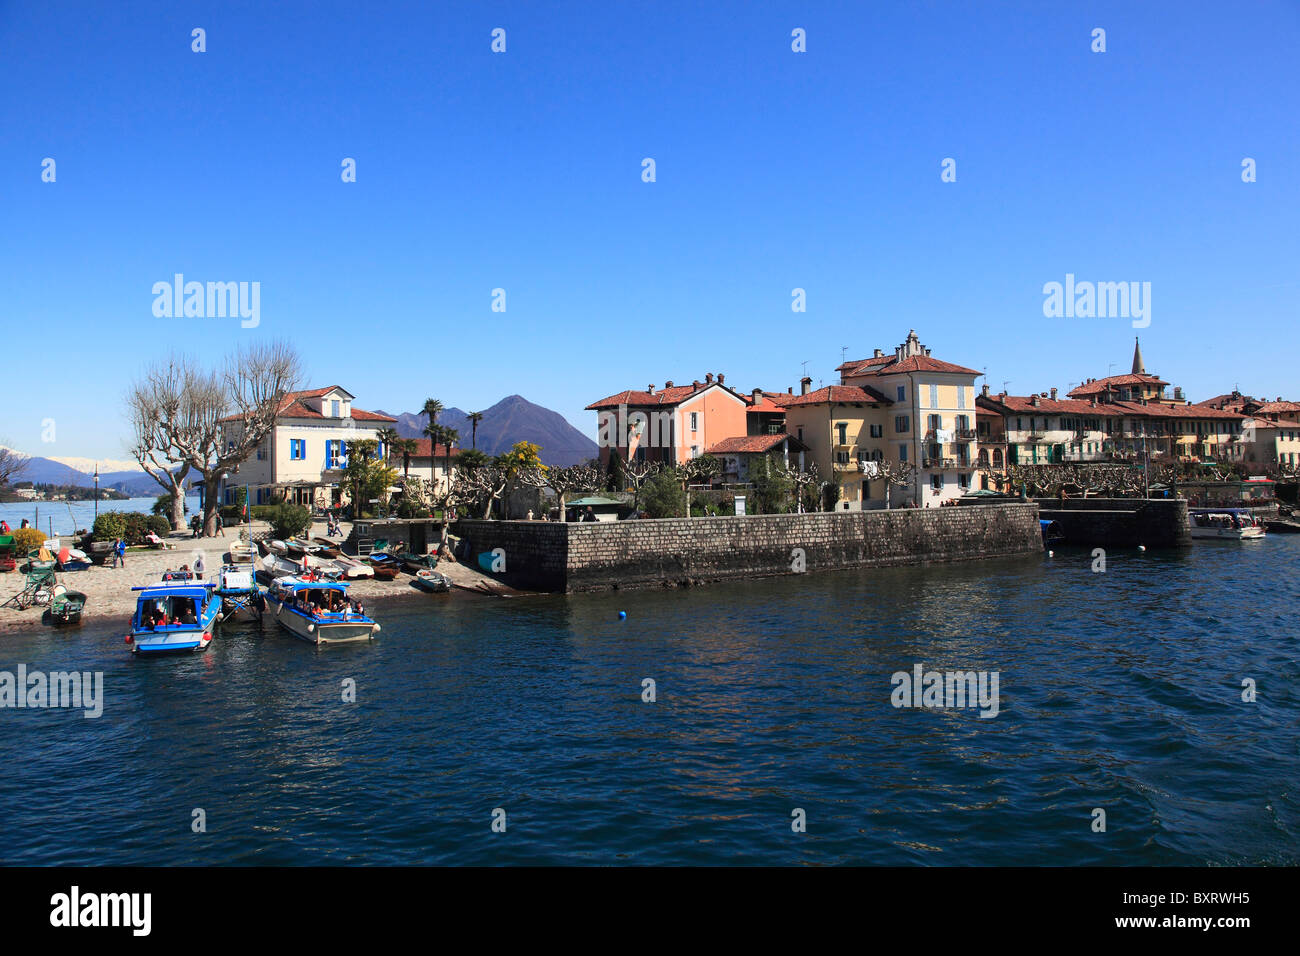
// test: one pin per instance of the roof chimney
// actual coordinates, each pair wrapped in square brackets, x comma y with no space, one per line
[1053,394]
[804,384]
[1094,401]
[790,390]
[650,388]
[668,384]
[1033,400]
[696,384]
[758,396]
[878,354]
[721,378]
[986,390]
[708,378]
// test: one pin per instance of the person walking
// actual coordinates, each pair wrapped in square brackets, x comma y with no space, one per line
[221,526]
[198,567]
[119,554]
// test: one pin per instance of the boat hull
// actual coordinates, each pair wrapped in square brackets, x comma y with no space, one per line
[331,629]
[1227,534]
[170,641]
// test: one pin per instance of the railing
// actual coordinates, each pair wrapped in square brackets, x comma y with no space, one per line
[964,434]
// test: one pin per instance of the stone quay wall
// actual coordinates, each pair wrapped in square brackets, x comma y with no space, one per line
[589,556]
[1120,522]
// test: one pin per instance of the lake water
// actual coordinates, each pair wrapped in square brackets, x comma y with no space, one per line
[1120,691]
[69,516]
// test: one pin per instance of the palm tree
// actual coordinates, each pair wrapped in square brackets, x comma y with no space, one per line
[434,432]
[389,438]
[449,437]
[406,447]
[432,409]
[474,419]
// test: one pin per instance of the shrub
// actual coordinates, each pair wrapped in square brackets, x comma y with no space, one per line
[159,525]
[288,520]
[663,496]
[27,539]
[109,526]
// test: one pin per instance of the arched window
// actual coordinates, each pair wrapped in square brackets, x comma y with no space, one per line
[984,457]
[997,457]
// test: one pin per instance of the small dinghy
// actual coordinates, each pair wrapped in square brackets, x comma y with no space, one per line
[434,581]
[67,606]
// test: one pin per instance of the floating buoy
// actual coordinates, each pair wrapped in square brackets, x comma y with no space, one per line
[622,615]
[1142,547]
[1051,554]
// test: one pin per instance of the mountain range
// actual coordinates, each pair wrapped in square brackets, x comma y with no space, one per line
[55,472]
[510,420]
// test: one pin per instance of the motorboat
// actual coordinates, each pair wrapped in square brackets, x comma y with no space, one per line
[385,566]
[1232,524]
[174,616]
[318,611]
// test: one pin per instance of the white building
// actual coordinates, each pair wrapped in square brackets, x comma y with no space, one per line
[303,458]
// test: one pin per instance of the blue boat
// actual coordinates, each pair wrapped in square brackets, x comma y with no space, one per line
[241,599]
[318,611]
[174,616]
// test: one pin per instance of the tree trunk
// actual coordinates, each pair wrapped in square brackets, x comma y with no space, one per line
[177,507]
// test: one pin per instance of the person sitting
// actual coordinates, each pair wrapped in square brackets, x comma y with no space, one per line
[167,575]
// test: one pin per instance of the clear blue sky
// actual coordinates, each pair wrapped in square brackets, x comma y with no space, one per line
[523,171]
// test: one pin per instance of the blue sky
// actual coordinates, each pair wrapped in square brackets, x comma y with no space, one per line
[522,171]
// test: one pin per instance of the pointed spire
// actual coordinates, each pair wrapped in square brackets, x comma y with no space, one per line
[1138,367]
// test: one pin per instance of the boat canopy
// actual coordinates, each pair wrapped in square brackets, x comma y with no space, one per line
[152,591]
[297,584]
[1220,511]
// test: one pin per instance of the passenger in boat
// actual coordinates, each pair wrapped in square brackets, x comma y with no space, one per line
[186,614]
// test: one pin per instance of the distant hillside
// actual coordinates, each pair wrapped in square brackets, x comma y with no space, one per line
[510,420]
[48,471]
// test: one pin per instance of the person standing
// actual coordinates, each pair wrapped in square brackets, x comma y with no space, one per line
[119,553]
[198,567]
[221,527]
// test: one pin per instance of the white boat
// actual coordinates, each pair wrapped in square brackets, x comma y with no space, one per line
[275,566]
[318,611]
[354,569]
[1230,524]
[241,552]
[431,580]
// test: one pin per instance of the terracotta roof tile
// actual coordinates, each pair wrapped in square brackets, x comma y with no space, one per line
[840,395]
[755,444]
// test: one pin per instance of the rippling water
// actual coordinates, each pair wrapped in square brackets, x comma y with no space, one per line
[1119,690]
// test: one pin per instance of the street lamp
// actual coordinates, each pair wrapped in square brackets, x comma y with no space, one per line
[96,491]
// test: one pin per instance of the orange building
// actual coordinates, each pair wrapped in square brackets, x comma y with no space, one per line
[673,424]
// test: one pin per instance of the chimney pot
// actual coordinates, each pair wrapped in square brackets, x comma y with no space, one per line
[986,390]
[650,388]
[708,378]
[721,378]
[696,384]
[668,384]
[1053,394]
[804,384]
[757,396]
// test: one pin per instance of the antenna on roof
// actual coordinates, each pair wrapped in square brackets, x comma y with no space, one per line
[805,369]
[1108,368]
[844,354]
[1005,384]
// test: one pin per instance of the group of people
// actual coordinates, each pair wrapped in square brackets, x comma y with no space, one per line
[5,529]
[331,602]
[180,612]
[185,572]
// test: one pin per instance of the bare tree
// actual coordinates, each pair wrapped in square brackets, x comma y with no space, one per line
[563,481]
[901,473]
[219,417]
[152,402]
[12,465]
[638,472]
[804,480]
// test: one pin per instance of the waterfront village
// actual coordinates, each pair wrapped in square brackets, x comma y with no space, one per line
[902,431]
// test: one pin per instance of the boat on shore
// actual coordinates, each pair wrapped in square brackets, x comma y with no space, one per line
[326,547]
[319,612]
[433,581]
[384,565]
[174,616]
[354,569]
[66,607]
[416,563]
[241,599]
[1230,524]
[241,552]
[276,566]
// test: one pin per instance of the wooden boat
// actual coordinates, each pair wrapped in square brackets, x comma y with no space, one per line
[174,616]
[328,548]
[241,600]
[300,548]
[433,581]
[318,611]
[67,606]
[241,552]
[417,562]
[385,566]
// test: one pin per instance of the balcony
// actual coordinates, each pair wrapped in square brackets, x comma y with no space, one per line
[964,434]
[945,464]
[1036,436]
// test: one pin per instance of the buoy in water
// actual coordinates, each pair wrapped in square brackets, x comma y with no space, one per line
[1142,547]
[622,615]
[1051,554]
